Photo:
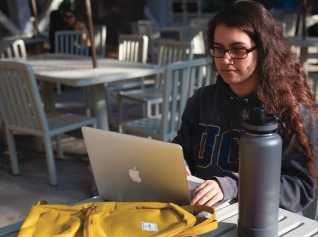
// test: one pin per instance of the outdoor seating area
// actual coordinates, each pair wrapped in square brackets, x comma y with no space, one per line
[39,79]
[73,174]
[139,86]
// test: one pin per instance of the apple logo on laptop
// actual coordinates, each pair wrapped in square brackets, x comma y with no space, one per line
[134,175]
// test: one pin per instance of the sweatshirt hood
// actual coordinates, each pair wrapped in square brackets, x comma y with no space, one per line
[226,90]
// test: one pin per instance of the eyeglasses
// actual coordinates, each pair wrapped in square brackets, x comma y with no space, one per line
[68,16]
[235,53]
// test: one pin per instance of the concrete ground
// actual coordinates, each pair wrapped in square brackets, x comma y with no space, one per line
[19,193]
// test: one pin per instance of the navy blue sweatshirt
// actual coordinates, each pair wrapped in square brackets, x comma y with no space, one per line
[212,124]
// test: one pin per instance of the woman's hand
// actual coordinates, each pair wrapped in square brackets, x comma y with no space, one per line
[188,173]
[207,193]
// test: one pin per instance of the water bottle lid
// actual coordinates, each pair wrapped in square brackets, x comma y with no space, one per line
[260,122]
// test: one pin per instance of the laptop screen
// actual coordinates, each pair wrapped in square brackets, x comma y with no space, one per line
[131,169]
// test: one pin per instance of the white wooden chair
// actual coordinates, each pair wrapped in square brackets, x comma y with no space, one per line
[100,36]
[290,21]
[13,49]
[312,51]
[201,23]
[72,42]
[78,43]
[150,29]
[194,35]
[22,111]
[180,81]
[186,33]
[131,48]
[134,28]
[168,51]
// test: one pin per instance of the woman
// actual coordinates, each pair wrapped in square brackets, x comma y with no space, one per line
[256,68]
[71,21]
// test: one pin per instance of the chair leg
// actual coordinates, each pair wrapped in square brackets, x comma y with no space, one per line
[59,89]
[59,147]
[144,110]
[39,144]
[4,137]
[87,101]
[120,111]
[13,154]
[157,109]
[50,161]
[149,109]
[142,83]
[108,103]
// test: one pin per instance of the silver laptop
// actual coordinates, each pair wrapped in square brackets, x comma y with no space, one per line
[133,169]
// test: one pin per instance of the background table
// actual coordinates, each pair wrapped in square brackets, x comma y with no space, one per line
[78,71]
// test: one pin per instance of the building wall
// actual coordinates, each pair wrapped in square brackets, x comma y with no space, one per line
[19,12]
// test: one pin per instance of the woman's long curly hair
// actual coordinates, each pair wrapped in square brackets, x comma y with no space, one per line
[282,83]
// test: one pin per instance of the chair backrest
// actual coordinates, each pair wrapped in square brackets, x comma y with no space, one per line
[133,48]
[180,82]
[72,42]
[170,51]
[100,33]
[206,76]
[201,22]
[310,21]
[134,28]
[13,49]
[150,29]
[289,22]
[187,33]
[194,35]
[20,100]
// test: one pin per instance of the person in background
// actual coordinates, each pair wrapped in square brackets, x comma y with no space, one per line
[66,21]
[71,21]
[256,67]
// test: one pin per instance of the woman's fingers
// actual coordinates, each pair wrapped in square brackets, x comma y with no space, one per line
[188,173]
[216,198]
[208,193]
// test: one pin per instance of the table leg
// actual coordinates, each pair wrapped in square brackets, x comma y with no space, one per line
[99,106]
[47,93]
[303,57]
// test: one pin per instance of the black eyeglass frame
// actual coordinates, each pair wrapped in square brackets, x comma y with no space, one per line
[228,51]
[69,16]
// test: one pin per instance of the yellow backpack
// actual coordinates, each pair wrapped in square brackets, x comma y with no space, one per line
[116,219]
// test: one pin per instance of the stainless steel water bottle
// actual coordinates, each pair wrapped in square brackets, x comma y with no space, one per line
[260,153]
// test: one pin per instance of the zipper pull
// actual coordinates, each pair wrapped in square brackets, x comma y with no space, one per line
[86,209]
